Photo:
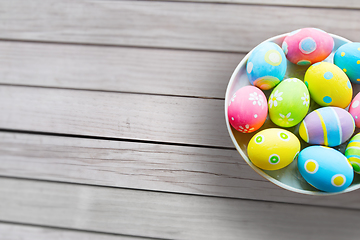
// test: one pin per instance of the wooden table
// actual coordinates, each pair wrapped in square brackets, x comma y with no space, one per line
[112,121]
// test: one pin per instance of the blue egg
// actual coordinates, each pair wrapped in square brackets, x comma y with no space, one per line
[266,65]
[325,168]
[347,57]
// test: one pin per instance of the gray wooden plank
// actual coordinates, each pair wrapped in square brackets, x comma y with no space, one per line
[348,4]
[179,169]
[164,215]
[117,115]
[127,164]
[10,231]
[171,72]
[221,27]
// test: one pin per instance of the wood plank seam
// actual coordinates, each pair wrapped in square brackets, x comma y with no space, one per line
[110,91]
[266,3]
[113,139]
[35,41]
[80,231]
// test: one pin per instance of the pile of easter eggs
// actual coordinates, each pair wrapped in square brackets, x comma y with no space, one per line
[332,123]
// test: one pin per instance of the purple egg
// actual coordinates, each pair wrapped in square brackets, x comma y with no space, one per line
[329,126]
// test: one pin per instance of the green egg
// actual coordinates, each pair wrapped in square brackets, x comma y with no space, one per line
[352,152]
[289,102]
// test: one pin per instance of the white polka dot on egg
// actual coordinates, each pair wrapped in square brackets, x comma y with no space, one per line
[249,67]
[274,57]
[355,104]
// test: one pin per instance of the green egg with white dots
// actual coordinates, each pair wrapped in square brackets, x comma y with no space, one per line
[289,102]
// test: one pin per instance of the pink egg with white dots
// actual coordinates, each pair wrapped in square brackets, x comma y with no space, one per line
[247,109]
[307,46]
[354,109]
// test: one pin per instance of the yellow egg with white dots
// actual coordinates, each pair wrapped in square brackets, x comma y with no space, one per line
[273,148]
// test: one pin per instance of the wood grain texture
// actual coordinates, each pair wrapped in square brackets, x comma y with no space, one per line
[9,231]
[172,216]
[170,72]
[201,171]
[116,115]
[220,27]
[349,4]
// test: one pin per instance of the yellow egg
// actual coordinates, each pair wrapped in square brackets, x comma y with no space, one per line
[328,85]
[273,148]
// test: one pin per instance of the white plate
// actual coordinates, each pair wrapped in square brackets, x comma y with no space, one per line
[289,177]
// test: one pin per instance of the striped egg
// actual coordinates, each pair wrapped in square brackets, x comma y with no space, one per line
[352,152]
[329,126]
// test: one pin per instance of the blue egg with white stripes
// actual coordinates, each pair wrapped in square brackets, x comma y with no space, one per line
[328,126]
[325,168]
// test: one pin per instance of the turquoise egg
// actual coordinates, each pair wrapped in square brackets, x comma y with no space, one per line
[266,65]
[325,168]
[347,57]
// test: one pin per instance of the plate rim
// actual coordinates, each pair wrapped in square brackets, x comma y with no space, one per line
[245,158]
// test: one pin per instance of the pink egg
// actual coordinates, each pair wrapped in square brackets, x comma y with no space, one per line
[354,109]
[307,46]
[247,109]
